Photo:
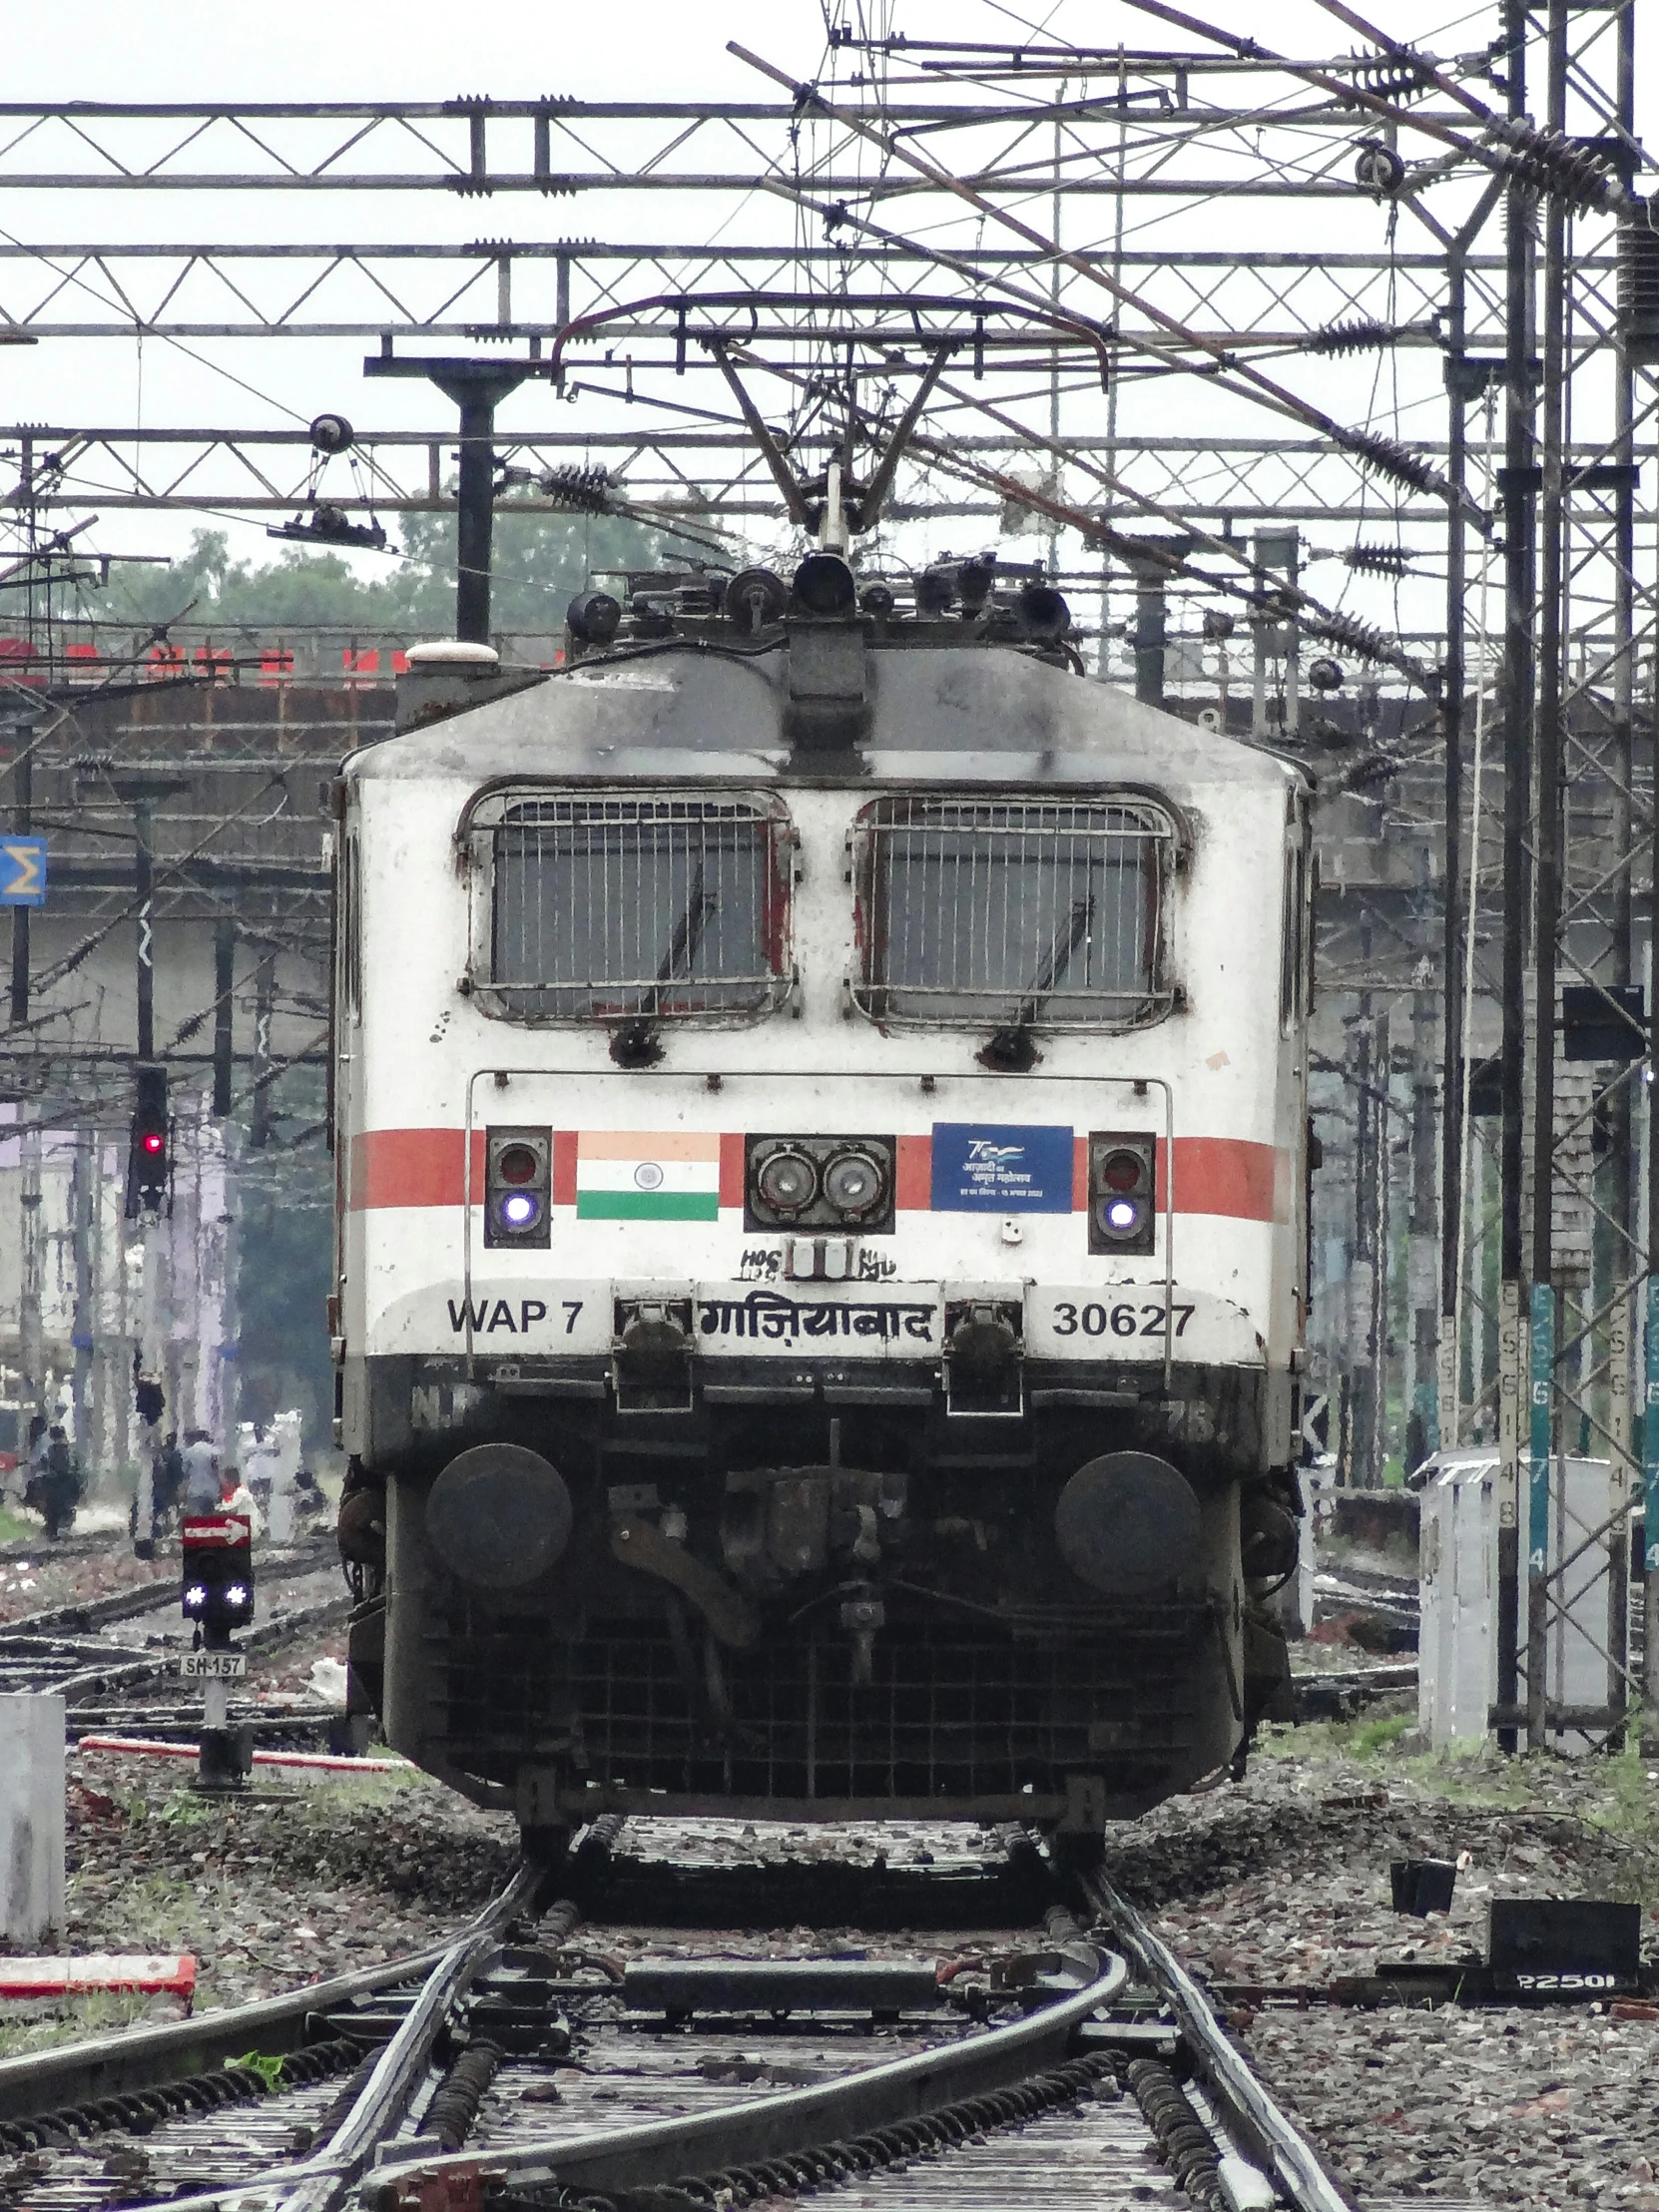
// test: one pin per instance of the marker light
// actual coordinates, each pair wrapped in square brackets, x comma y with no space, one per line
[1123,1191]
[518,1187]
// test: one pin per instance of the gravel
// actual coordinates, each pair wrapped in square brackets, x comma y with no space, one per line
[307,1877]
[1281,1878]
[39,1578]
[1284,1878]
[300,1880]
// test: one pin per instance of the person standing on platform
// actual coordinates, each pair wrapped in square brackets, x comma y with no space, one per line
[169,1480]
[33,1468]
[60,1484]
[200,1459]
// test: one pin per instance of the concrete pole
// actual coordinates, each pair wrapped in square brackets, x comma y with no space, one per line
[265,994]
[1381,1242]
[1362,1345]
[31,1346]
[103,1444]
[1423,1269]
[83,1332]
[31,1817]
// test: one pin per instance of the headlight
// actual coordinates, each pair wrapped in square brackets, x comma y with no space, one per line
[843,1181]
[788,1181]
[1120,1216]
[518,1211]
[853,1183]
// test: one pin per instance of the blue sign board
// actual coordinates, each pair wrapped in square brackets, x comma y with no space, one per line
[22,872]
[990,1168]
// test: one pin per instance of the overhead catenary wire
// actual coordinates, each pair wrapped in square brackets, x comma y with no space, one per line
[1235,375]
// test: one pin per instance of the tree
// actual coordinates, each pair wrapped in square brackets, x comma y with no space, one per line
[539,561]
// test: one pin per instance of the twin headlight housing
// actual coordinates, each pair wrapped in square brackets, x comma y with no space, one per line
[818,1183]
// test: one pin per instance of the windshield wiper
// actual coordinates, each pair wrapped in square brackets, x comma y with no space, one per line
[1011,1049]
[635,1044]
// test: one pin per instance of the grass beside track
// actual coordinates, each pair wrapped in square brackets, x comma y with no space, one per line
[1614,1793]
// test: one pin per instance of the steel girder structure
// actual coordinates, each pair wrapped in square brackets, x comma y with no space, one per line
[1574,712]
[711,472]
[503,289]
[1177,130]
[517,297]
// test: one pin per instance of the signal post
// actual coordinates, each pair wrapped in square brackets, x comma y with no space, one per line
[218,1596]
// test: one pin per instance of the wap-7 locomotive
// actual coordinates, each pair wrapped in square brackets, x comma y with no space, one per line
[821,1109]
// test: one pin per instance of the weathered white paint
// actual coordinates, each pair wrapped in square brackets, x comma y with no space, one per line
[31,1817]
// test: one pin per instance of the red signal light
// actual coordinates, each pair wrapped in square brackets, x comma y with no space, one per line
[151,1140]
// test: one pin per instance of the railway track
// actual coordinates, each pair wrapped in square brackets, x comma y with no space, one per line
[1014,2035]
[78,1649]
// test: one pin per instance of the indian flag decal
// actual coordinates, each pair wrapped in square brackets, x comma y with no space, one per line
[644,1175]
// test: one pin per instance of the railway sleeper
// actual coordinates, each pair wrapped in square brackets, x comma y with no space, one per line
[138,2111]
[822,2165]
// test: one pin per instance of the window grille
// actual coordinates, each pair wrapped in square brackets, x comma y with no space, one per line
[1014,914]
[655,907]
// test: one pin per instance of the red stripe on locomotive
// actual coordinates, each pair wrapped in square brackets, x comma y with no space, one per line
[1231,1177]
[913,1175]
[414,1167]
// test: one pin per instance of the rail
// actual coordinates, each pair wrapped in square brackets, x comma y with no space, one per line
[1273,2138]
[947,2094]
[791,2125]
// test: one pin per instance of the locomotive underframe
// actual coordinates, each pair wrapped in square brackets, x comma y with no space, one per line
[932,1653]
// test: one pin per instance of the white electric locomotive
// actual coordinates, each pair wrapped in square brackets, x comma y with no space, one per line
[821,1118]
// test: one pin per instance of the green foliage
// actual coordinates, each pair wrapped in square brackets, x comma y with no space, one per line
[1321,1740]
[538,562]
[1631,1800]
[1376,1736]
[183,1810]
[266,2064]
[73,2020]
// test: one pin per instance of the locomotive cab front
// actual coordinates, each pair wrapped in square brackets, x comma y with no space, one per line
[821,1226]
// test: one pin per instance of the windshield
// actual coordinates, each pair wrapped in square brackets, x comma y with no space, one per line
[1012,913]
[640,907]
